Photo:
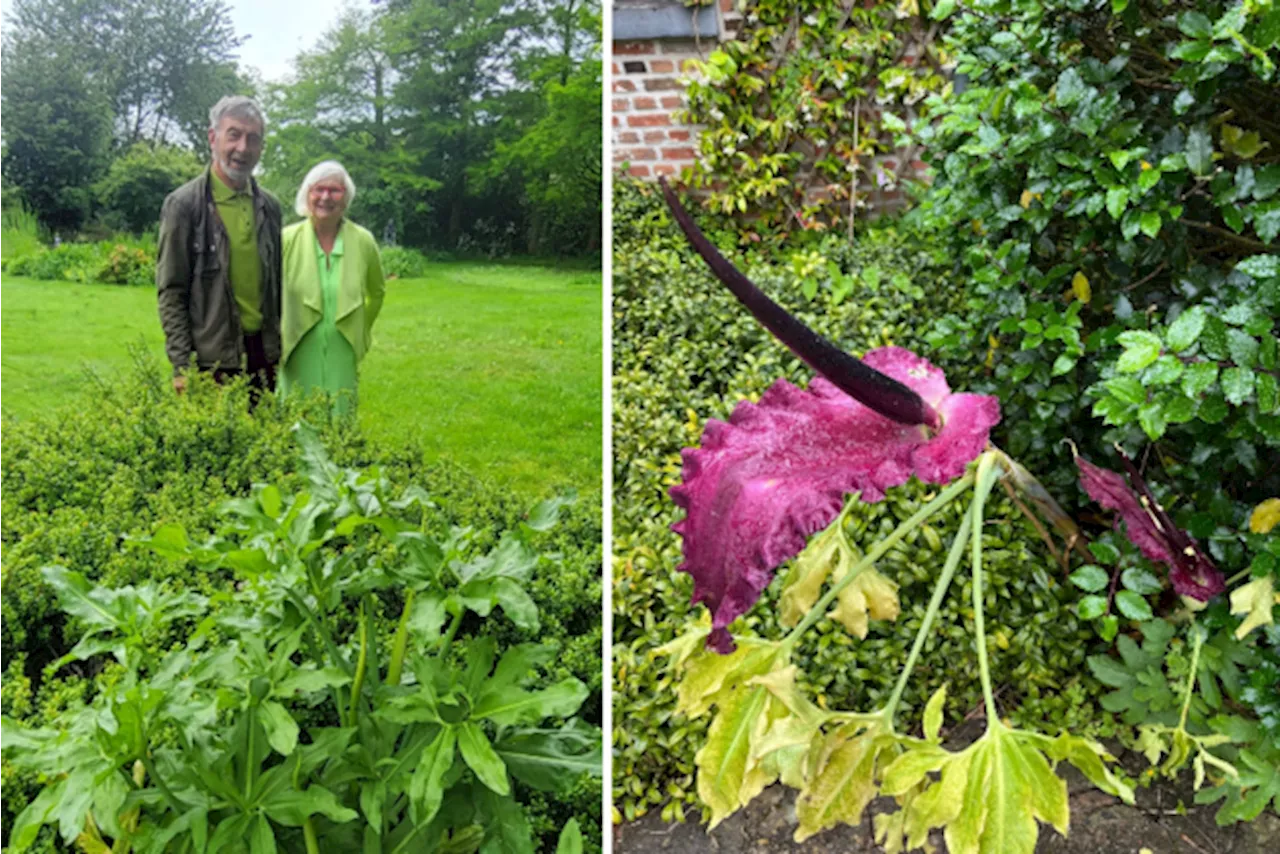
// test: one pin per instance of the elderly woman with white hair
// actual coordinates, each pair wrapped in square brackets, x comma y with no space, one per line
[332,291]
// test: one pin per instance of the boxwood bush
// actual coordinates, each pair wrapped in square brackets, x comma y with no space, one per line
[685,351]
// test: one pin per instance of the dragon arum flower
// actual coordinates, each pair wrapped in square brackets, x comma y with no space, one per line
[778,470]
[1150,528]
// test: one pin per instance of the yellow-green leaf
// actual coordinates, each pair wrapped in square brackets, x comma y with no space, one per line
[728,777]
[1265,516]
[933,714]
[870,595]
[1256,600]
[845,782]
[1080,287]
[710,674]
[804,581]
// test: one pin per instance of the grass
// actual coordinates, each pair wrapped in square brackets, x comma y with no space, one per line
[495,367]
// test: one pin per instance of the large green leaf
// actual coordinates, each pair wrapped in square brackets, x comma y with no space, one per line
[426,786]
[479,755]
[551,759]
[513,706]
[729,776]
[292,807]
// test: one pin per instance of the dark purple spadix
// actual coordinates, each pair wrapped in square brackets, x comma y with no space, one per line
[872,389]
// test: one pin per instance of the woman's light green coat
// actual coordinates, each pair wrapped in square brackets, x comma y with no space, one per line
[359,293]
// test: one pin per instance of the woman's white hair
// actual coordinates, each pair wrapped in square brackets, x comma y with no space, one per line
[319,172]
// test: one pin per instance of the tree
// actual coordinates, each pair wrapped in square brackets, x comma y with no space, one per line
[161,63]
[137,182]
[57,135]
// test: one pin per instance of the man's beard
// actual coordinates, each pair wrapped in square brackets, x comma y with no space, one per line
[239,174]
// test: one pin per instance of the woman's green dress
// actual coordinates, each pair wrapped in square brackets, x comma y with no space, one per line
[323,361]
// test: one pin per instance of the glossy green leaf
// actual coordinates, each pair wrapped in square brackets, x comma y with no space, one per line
[479,755]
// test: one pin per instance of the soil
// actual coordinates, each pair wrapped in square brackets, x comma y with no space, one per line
[1164,820]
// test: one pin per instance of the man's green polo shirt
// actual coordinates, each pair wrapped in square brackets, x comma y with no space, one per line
[236,209]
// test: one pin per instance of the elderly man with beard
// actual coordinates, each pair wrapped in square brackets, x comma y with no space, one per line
[218,264]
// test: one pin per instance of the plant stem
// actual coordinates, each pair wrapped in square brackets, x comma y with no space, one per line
[362,662]
[819,608]
[1197,640]
[453,630]
[249,762]
[162,786]
[987,474]
[309,836]
[1239,575]
[401,642]
[935,603]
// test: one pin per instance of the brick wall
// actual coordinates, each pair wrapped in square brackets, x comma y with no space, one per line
[650,139]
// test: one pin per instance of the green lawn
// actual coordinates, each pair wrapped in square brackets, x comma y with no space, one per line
[495,367]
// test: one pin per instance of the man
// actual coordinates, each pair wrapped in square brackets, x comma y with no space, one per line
[218,260]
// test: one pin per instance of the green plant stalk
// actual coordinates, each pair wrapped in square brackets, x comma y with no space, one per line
[453,630]
[987,474]
[401,642]
[935,604]
[162,786]
[820,607]
[309,836]
[249,763]
[1196,643]
[361,664]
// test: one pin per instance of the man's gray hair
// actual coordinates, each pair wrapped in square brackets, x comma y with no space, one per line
[236,106]
[327,169]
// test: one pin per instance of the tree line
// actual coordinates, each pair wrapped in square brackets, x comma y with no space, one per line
[467,126]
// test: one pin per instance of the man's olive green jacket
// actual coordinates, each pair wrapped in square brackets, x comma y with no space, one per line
[197,306]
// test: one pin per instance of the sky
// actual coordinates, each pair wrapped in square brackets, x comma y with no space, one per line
[277,29]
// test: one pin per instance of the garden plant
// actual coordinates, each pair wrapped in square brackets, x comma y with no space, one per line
[1093,249]
[779,470]
[146,499]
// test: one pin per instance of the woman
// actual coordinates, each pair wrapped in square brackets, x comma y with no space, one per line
[332,291]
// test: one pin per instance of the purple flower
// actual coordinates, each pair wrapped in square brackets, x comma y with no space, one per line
[778,471]
[1150,528]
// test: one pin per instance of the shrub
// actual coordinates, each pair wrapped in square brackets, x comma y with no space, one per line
[133,190]
[131,455]
[404,263]
[22,233]
[685,351]
[127,261]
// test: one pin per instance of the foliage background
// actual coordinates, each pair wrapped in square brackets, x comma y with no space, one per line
[470,128]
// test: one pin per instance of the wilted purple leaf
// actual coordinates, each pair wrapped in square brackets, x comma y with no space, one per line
[1151,529]
[778,471]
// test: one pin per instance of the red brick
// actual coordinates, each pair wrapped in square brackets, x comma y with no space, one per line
[638,171]
[621,105]
[891,165]
[652,136]
[679,135]
[643,103]
[620,155]
[624,86]
[627,137]
[644,154]
[661,66]
[726,5]
[919,165]
[679,154]
[647,120]
[661,84]
[664,169]
[632,48]
[617,122]
[672,102]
